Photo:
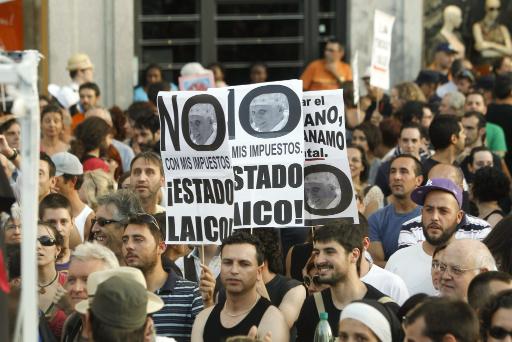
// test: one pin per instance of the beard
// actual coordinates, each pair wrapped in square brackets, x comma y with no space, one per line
[443,238]
[333,279]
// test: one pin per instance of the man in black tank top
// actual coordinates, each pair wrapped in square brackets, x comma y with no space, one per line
[241,265]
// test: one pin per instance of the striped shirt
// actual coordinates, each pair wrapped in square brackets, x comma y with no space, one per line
[182,303]
[470,227]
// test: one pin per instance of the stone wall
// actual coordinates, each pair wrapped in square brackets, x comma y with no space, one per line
[102,29]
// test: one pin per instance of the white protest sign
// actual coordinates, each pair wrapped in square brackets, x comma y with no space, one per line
[197,165]
[328,186]
[355,72]
[267,144]
[381,50]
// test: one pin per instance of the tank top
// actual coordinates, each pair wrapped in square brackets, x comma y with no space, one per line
[214,331]
[80,221]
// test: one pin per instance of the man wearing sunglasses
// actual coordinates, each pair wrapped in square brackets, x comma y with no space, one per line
[113,212]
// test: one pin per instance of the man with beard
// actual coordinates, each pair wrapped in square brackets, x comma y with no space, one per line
[244,310]
[405,175]
[470,227]
[146,179]
[143,247]
[202,124]
[441,200]
[146,133]
[113,211]
[336,248]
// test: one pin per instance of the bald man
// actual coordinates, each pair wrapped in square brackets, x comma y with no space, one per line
[458,267]
[471,227]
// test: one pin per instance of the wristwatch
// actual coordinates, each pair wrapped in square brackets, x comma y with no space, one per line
[14,155]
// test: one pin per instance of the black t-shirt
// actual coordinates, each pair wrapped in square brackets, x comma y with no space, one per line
[309,316]
[501,114]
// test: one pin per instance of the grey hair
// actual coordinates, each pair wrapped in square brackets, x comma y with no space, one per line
[125,201]
[88,251]
[457,100]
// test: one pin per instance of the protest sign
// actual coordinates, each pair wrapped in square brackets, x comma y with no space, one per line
[197,166]
[328,186]
[381,50]
[196,82]
[266,140]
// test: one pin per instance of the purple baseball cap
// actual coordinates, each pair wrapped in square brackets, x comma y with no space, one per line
[443,184]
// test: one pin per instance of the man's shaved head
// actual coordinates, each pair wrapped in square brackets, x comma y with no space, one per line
[447,171]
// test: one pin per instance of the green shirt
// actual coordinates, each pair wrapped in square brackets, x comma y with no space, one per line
[495,138]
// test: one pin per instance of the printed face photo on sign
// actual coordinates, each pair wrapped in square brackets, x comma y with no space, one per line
[269,112]
[323,190]
[202,123]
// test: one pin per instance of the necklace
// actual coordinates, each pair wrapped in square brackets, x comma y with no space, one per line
[241,313]
[41,287]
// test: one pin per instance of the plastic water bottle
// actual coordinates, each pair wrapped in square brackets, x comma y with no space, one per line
[323,331]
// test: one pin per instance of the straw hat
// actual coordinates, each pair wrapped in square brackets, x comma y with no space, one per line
[79,61]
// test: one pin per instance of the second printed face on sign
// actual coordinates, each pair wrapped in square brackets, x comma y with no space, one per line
[269,112]
[322,190]
[203,124]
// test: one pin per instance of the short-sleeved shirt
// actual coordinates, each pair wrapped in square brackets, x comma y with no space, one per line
[316,77]
[182,303]
[495,138]
[501,115]
[470,227]
[385,225]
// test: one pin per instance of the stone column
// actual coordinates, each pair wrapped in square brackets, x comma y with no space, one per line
[103,29]
[407,35]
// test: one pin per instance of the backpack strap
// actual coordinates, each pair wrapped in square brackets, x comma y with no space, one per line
[319,302]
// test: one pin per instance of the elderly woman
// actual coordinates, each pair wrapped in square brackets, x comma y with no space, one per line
[50,281]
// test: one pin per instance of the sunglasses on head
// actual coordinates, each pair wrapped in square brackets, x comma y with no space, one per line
[146,218]
[499,333]
[46,240]
[102,222]
[309,280]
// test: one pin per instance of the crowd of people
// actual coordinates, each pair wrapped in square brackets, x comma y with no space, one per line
[429,260]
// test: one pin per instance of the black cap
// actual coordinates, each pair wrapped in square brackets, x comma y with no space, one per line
[428,76]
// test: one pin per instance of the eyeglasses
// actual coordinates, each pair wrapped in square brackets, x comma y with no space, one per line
[499,333]
[102,222]
[308,280]
[493,8]
[453,270]
[46,240]
[13,226]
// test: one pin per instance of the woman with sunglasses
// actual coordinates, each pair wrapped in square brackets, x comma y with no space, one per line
[496,318]
[50,281]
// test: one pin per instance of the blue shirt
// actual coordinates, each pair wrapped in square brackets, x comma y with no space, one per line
[385,225]
[182,303]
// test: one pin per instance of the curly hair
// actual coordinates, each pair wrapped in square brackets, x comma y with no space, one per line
[490,184]
[499,301]
[90,135]
[409,91]
[269,237]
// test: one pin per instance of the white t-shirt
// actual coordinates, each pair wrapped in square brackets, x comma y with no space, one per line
[413,265]
[388,283]
[80,220]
